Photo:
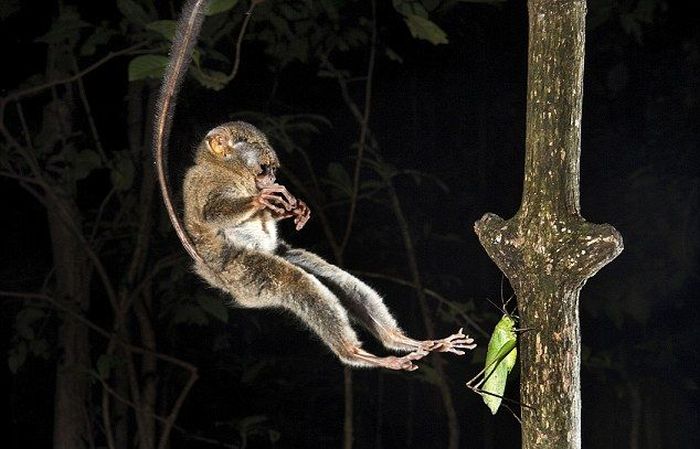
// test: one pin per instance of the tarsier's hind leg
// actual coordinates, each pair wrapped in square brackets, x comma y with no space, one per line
[368,307]
[260,280]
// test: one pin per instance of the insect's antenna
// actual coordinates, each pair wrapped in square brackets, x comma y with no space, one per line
[522,330]
[497,307]
[505,304]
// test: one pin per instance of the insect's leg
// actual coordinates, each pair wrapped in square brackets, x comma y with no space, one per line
[259,280]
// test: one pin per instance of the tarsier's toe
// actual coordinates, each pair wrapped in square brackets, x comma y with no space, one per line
[455,343]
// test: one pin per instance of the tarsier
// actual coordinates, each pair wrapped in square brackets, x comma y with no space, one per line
[232,206]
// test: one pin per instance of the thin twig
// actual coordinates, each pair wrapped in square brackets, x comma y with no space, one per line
[170,422]
[88,113]
[239,41]
[13,96]
[363,130]
[432,293]
[100,211]
[23,123]
[99,330]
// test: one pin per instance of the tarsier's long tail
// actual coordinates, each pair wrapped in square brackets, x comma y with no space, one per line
[188,28]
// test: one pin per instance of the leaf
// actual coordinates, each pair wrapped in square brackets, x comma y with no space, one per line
[214,307]
[147,66]
[422,28]
[392,55]
[133,12]
[190,314]
[165,28]
[7,8]
[104,366]
[211,79]
[85,162]
[17,357]
[410,8]
[101,36]
[219,6]
[39,348]
[340,177]
[123,171]
[67,26]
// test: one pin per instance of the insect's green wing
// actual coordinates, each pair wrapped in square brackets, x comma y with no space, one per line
[500,359]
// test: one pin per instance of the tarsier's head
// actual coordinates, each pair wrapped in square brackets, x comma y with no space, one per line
[243,145]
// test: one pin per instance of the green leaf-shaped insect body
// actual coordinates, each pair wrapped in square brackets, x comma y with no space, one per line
[500,359]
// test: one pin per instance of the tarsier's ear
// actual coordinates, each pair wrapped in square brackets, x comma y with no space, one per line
[217,143]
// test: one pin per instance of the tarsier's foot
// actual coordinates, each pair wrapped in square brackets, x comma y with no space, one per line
[455,343]
[403,363]
[391,362]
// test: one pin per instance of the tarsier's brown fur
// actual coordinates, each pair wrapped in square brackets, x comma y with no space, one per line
[232,205]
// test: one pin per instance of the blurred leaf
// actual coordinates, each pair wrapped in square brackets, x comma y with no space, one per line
[104,366]
[211,79]
[133,12]
[189,314]
[101,36]
[7,8]
[17,357]
[392,55]
[67,26]
[340,178]
[123,171]
[219,6]
[214,307]
[422,28]
[147,66]
[410,8]
[40,348]
[85,162]
[165,28]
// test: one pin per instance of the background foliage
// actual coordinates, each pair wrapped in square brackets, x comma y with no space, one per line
[441,143]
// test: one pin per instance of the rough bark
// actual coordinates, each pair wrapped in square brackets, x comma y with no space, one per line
[71,428]
[71,416]
[547,250]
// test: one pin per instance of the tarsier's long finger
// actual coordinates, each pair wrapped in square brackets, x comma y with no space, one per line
[280,202]
[303,213]
[300,220]
[266,203]
[278,188]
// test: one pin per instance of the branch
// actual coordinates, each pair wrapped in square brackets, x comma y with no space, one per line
[363,130]
[432,293]
[16,95]
[239,41]
[99,330]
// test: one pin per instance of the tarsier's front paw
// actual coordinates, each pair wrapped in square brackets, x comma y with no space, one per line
[406,362]
[455,343]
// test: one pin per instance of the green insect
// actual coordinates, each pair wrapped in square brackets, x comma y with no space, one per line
[500,359]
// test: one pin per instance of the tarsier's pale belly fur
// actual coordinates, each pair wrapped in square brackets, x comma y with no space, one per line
[257,235]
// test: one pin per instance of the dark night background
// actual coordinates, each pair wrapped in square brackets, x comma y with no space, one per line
[447,124]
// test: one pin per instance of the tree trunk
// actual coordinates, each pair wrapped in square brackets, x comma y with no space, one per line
[547,250]
[71,415]
[71,429]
